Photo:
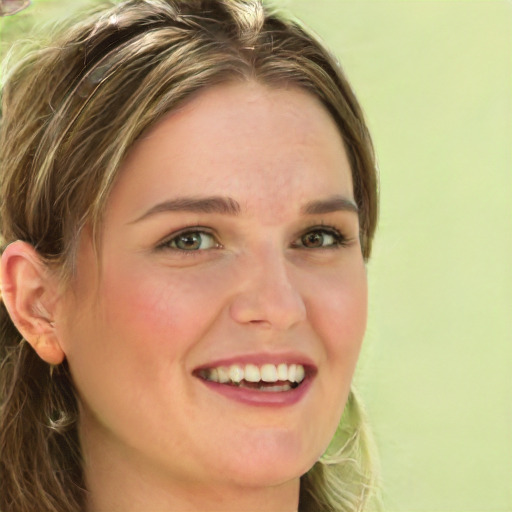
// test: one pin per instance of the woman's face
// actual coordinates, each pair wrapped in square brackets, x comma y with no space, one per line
[229,246]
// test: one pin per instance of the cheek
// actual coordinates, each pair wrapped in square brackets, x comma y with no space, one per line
[161,310]
[134,341]
[337,313]
[342,312]
[339,317]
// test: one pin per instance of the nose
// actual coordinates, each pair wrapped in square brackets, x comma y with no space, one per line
[266,295]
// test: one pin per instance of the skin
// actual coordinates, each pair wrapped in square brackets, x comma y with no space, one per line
[135,324]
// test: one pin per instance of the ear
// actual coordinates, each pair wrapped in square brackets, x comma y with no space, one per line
[29,292]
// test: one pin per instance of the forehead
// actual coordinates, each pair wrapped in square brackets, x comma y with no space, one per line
[262,146]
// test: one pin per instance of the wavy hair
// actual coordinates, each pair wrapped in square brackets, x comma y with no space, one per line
[70,111]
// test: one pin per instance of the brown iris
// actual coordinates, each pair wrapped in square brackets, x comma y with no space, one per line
[189,241]
[313,239]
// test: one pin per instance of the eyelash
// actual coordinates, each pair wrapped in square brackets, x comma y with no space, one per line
[339,239]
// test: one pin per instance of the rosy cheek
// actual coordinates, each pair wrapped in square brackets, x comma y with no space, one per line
[159,308]
[343,314]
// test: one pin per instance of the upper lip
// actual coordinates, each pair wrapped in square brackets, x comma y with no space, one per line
[259,359]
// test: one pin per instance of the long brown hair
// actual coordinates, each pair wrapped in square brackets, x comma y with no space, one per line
[70,111]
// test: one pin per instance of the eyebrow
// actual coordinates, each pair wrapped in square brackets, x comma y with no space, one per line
[228,206]
[214,204]
[330,205]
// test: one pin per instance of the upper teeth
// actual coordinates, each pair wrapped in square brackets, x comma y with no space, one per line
[253,373]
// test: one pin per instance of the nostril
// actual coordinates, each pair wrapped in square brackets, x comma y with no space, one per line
[261,324]
[277,310]
[268,295]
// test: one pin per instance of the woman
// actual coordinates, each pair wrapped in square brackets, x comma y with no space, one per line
[188,202]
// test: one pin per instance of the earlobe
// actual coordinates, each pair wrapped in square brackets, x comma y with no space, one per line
[29,293]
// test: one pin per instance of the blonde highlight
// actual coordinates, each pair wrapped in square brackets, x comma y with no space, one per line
[70,113]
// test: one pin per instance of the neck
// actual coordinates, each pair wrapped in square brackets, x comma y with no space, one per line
[191,499]
[134,493]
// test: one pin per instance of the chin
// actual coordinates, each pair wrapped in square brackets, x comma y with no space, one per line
[271,461]
[271,474]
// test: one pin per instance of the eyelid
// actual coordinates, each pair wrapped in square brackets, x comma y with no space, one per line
[341,239]
[165,243]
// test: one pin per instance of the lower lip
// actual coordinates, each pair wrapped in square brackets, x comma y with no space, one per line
[261,398]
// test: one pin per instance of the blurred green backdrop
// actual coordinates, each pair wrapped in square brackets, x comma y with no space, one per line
[435,80]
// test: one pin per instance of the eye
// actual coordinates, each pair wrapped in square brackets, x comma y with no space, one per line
[191,241]
[320,238]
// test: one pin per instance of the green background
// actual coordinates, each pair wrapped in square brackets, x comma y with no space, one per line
[435,81]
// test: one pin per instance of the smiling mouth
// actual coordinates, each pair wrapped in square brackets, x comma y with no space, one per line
[268,378]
